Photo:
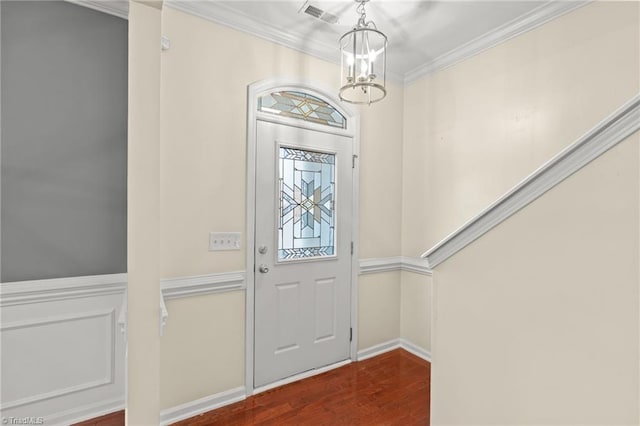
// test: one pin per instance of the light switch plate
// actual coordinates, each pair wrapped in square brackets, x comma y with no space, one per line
[224,241]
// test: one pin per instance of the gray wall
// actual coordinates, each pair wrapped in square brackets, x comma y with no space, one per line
[64,141]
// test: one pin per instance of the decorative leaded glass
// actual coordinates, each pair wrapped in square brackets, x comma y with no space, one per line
[303,106]
[307,216]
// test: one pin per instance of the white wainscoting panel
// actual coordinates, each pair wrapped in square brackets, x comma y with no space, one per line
[62,352]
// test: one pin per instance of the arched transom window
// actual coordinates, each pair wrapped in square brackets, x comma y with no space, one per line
[302,106]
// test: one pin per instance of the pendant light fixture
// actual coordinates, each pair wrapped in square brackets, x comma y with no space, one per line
[363,52]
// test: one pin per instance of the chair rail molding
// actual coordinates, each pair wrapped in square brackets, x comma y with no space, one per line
[173,288]
[49,290]
[614,129]
[395,263]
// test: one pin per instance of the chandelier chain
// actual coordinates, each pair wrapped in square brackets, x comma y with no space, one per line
[363,13]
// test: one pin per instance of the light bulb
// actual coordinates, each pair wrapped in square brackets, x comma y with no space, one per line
[350,60]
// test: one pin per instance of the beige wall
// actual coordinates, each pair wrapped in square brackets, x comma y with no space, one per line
[537,321]
[415,309]
[379,309]
[143,217]
[473,131]
[205,76]
[201,351]
[432,156]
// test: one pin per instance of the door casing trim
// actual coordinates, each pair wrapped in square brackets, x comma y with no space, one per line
[353,130]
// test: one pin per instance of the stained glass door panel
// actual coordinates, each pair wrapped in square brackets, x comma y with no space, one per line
[303,233]
[306,227]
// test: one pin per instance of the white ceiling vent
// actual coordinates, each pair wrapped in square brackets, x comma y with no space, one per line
[318,13]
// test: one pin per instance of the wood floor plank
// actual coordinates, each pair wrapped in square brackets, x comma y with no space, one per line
[389,389]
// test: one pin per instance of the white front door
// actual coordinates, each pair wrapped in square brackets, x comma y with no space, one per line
[303,250]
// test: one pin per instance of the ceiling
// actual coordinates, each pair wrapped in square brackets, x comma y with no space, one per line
[424,35]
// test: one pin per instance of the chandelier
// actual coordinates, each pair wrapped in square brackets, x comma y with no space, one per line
[363,52]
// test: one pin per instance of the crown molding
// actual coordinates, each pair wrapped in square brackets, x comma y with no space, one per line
[117,8]
[614,129]
[516,27]
[224,15]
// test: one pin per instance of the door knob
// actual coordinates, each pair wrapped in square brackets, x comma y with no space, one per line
[263,268]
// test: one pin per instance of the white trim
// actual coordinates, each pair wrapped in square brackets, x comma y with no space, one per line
[224,15]
[111,7]
[301,376]
[109,376]
[608,133]
[494,37]
[202,405]
[380,264]
[40,291]
[416,265]
[199,406]
[86,412]
[378,349]
[415,350]
[396,263]
[391,345]
[353,130]
[198,285]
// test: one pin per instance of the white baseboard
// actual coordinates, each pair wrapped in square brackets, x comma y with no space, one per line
[87,412]
[199,406]
[378,349]
[301,376]
[391,345]
[202,405]
[416,350]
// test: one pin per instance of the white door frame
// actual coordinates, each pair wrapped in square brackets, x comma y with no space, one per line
[353,130]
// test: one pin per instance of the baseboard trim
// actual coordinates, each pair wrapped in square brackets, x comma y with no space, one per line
[378,349]
[202,405]
[390,345]
[301,376]
[415,350]
[87,412]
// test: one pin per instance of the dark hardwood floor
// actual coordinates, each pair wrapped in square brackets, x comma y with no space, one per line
[390,389]
[113,419]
